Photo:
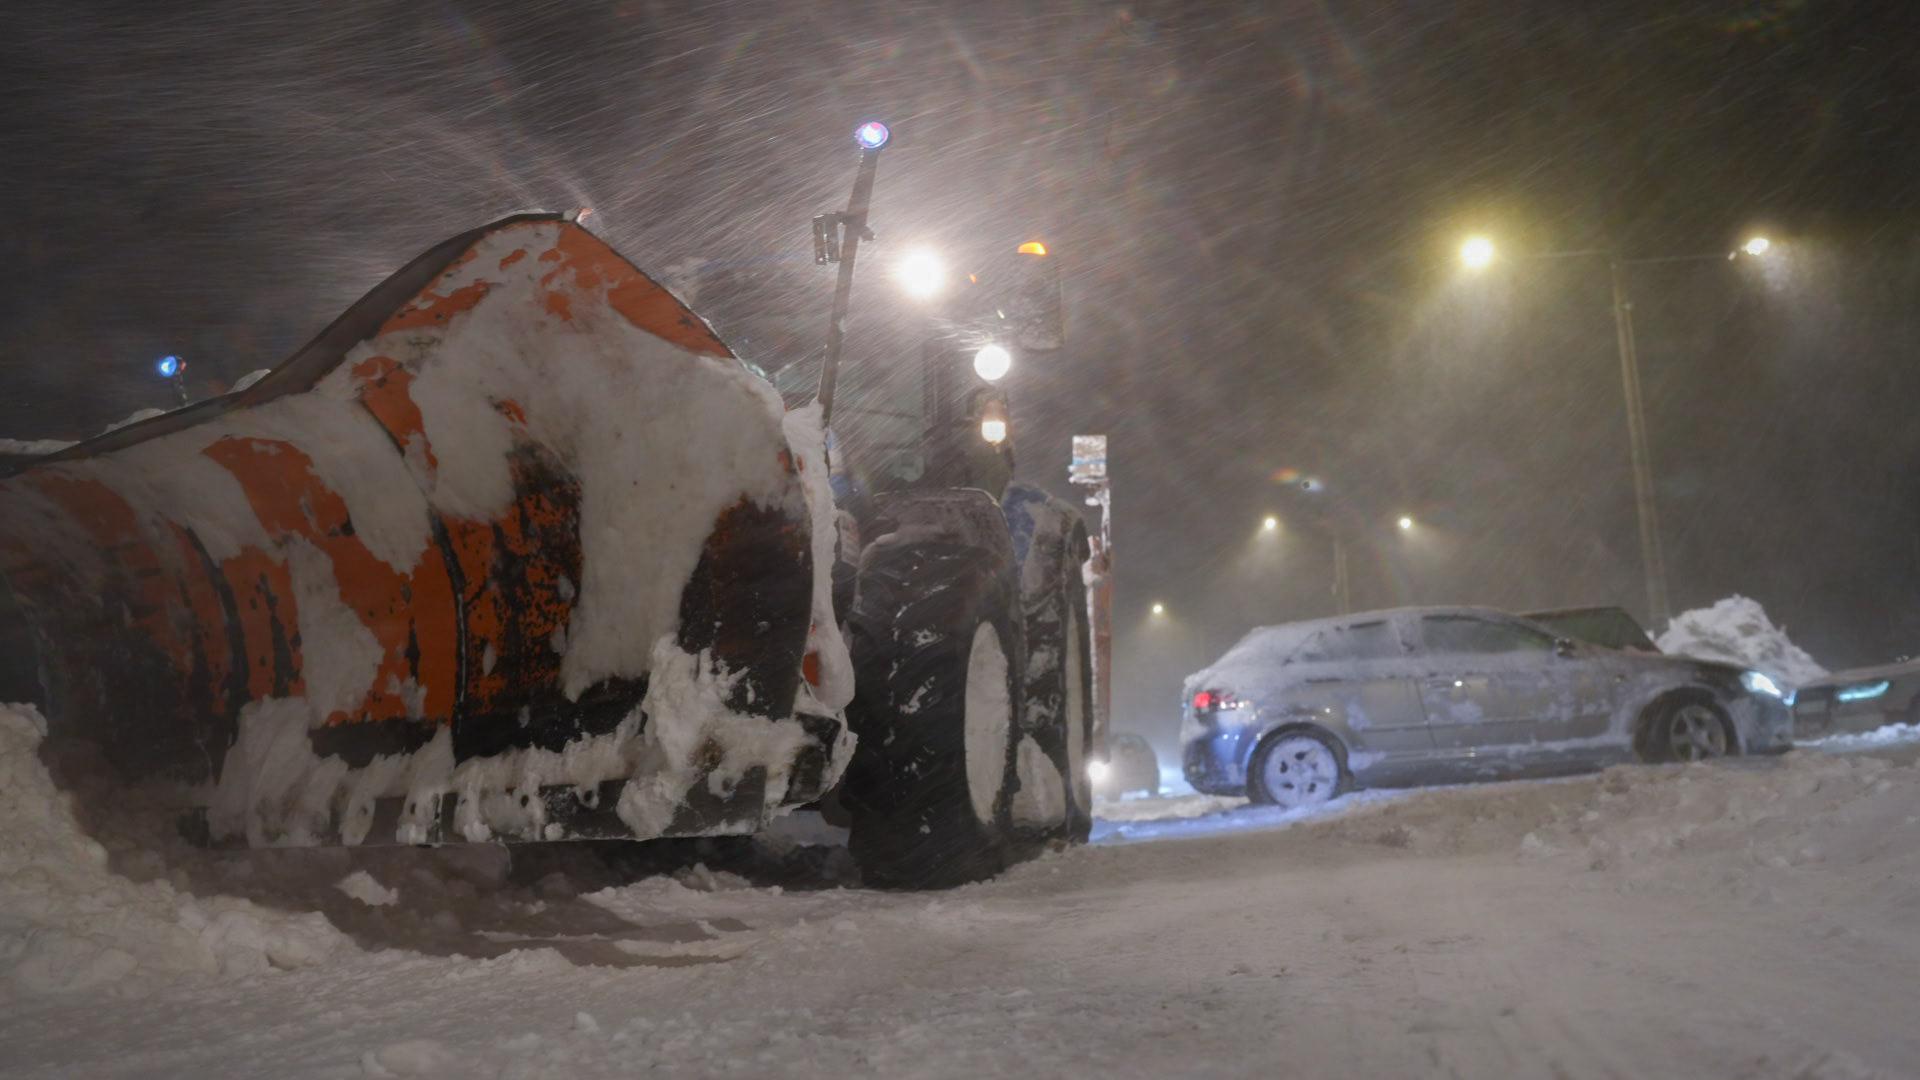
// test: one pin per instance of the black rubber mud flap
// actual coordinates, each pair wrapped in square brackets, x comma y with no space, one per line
[941,568]
[1059,675]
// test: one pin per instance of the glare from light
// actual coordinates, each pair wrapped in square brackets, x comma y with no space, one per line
[1760,683]
[1271,524]
[1757,246]
[1097,771]
[1476,253]
[1405,523]
[992,362]
[921,274]
[1032,247]
[1864,691]
[872,135]
[168,366]
[1159,608]
[994,431]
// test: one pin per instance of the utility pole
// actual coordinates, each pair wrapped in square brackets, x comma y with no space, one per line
[1652,560]
[1342,582]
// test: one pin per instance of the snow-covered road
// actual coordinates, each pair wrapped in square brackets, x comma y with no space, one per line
[1751,919]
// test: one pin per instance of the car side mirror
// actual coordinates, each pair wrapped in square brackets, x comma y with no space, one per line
[1564,647]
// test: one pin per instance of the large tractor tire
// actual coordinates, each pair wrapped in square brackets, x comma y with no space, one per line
[938,664]
[1055,802]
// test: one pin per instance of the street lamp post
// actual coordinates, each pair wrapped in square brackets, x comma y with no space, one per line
[1653,560]
[1478,252]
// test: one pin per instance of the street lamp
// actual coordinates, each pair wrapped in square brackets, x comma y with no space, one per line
[1159,608]
[992,362]
[1270,524]
[921,273]
[1405,523]
[1477,252]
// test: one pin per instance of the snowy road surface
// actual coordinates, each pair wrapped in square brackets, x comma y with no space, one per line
[1750,919]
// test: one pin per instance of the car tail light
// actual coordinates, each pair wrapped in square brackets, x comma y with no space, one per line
[1216,701]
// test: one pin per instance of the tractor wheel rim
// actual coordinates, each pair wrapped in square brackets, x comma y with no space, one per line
[1301,771]
[988,723]
[1695,734]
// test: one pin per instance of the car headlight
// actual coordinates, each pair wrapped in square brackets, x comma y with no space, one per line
[1759,683]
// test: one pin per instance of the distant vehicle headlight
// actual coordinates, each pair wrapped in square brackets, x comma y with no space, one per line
[1760,683]
[1097,771]
[1864,691]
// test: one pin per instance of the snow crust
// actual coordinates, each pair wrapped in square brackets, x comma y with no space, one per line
[31,447]
[70,925]
[1736,630]
[808,442]
[1552,928]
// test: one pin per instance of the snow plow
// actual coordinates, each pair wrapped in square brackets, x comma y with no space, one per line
[518,550]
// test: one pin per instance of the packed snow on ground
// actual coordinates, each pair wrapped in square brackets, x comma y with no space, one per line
[1738,631]
[1746,918]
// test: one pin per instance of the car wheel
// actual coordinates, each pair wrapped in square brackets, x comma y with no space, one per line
[1297,768]
[1687,730]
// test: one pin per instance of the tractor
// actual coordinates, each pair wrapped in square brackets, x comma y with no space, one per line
[518,550]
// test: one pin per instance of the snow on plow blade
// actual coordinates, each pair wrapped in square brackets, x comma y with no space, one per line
[514,549]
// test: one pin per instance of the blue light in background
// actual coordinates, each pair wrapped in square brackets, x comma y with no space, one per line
[1864,691]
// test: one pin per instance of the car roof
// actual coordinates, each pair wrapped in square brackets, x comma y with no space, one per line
[1304,625]
[1585,609]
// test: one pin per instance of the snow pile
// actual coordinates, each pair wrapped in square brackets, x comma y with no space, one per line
[31,447]
[1836,815]
[1737,631]
[69,924]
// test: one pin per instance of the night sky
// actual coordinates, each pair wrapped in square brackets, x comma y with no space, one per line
[1256,207]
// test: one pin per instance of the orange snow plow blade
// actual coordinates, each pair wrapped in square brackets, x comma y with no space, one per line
[446,538]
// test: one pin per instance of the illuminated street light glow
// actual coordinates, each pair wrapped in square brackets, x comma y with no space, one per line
[1097,771]
[1756,246]
[992,362]
[921,274]
[1405,522]
[1271,524]
[1476,252]
[1159,608]
[872,135]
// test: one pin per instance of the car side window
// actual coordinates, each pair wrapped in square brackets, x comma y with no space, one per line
[1359,641]
[1463,634]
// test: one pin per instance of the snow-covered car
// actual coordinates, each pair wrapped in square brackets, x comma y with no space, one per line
[1130,767]
[1860,700]
[1298,713]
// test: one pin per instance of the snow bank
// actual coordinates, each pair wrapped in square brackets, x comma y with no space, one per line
[1738,631]
[70,924]
[31,447]
[1838,815]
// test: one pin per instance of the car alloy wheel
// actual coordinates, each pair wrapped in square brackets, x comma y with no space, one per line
[1300,770]
[1695,734]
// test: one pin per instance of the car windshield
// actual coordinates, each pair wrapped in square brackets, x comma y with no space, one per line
[1611,628]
